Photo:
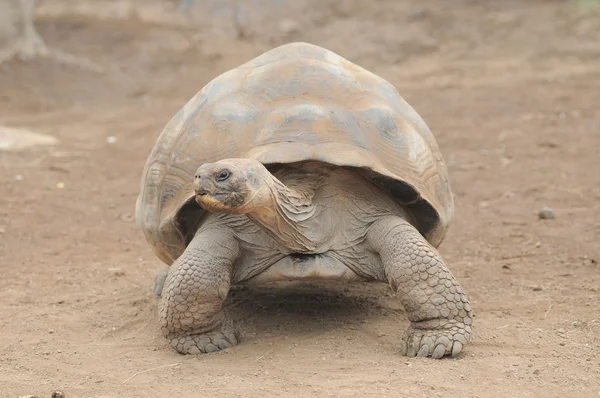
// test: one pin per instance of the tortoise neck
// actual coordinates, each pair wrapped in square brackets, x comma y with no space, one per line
[284,211]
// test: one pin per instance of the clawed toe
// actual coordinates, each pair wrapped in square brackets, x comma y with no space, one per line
[220,339]
[435,343]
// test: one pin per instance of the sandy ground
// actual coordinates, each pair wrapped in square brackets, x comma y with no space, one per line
[511,90]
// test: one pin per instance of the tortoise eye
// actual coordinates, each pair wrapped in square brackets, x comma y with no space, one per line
[223,175]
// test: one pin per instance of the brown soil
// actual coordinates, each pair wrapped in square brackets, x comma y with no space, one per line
[511,90]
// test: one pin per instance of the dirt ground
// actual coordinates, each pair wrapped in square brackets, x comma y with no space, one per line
[511,90]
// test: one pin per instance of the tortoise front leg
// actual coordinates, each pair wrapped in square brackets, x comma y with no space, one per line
[437,307]
[190,312]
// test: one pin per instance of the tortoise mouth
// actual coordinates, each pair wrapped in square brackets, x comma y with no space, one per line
[230,202]
[216,195]
[211,200]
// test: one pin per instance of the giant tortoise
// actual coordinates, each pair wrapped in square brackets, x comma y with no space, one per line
[299,165]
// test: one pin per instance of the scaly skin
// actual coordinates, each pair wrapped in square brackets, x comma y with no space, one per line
[437,307]
[190,312]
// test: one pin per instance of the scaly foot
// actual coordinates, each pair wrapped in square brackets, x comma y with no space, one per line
[423,339]
[221,338]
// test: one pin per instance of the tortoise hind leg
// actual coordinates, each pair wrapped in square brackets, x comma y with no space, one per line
[197,283]
[437,307]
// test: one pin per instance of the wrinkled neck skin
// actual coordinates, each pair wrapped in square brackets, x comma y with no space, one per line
[285,212]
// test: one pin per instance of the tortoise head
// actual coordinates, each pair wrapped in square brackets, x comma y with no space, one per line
[232,185]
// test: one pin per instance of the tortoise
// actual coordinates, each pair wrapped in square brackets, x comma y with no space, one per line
[299,165]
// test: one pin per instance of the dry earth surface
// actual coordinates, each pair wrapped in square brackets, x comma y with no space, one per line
[511,90]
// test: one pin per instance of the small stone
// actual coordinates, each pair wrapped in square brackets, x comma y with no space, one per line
[58,394]
[111,139]
[60,185]
[127,217]
[116,271]
[536,288]
[19,177]
[51,331]
[548,144]
[546,214]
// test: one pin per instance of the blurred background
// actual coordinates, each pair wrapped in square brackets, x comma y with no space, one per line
[509,88]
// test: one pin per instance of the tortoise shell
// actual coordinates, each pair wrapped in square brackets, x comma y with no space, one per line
[296,102]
